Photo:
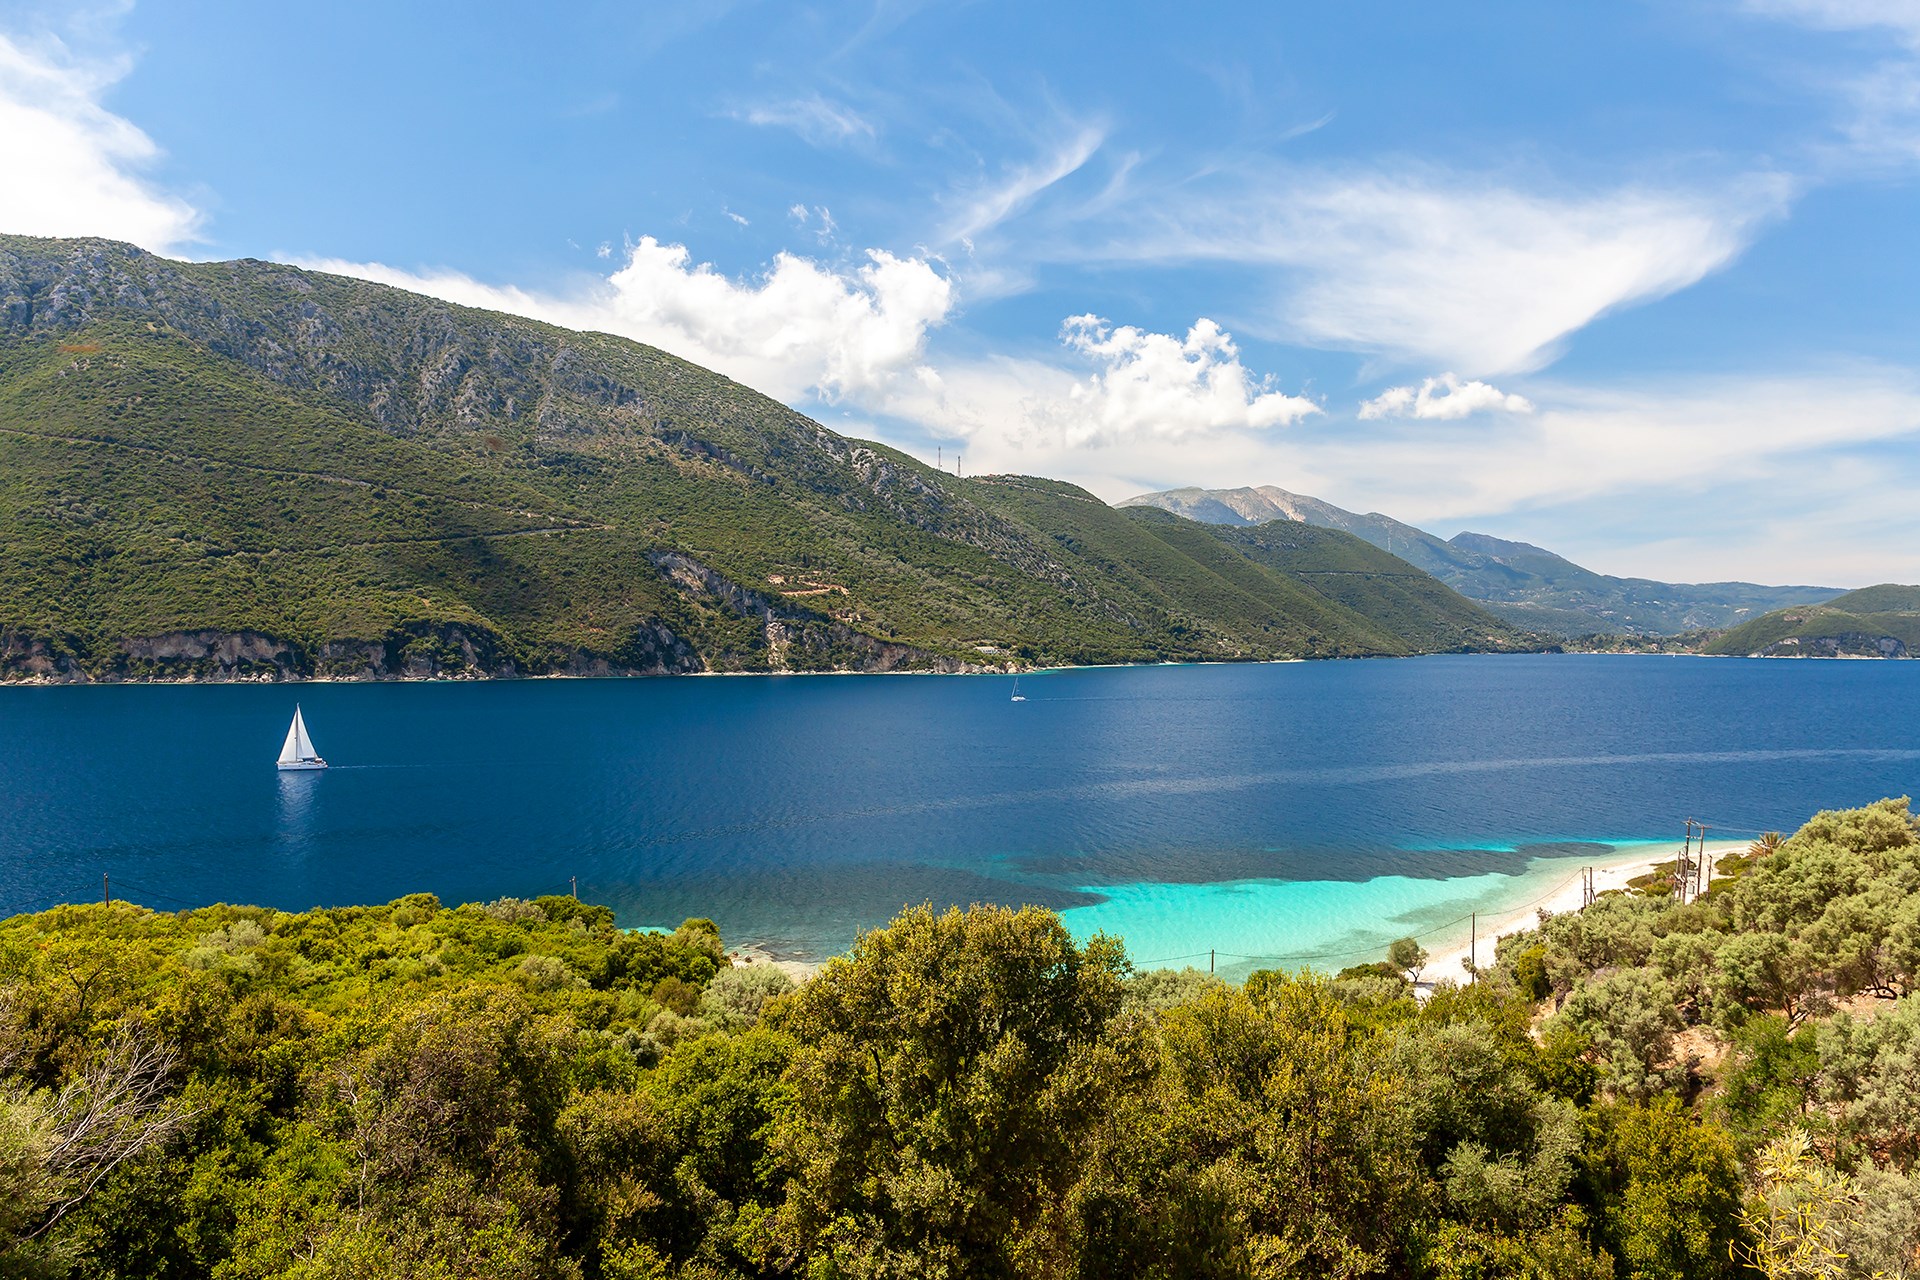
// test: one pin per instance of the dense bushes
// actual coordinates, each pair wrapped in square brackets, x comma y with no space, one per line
[518,1089]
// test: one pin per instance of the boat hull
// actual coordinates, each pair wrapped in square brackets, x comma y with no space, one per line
[302,766]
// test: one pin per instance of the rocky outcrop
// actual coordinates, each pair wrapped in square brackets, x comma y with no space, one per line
[1851,644]
[26,656]
[800,639]
[418,651]
[207,655]
[440,651]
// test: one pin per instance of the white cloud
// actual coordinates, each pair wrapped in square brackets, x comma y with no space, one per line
[1445,268]
[988,204]
[1899,16]
[857,338]
[800,329]
[70,166]
[1729,477]
[819,220]
[1804,477]
[1687,440]
[1445,397]
[1146,390]
[1168,386]
[1883,100]
[819,120]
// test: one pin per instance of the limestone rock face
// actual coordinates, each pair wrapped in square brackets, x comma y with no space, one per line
[412,653]
[1847,644]
[799,638]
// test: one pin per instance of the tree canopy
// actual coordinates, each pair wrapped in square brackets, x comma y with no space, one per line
[1644,1090]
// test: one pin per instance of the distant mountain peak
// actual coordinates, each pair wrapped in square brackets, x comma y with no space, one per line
[1524,583]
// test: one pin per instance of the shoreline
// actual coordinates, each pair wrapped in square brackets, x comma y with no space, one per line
[49,682]
[1612,872]
[39,681]
[751,955]
[1612,875]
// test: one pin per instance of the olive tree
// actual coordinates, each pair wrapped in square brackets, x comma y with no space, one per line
[940,1075]
[1408,956]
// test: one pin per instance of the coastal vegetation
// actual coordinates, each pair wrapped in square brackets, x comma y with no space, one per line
[246,470]
[1873,622]
[1643,1090]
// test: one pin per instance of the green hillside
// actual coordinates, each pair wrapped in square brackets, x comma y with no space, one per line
[1873,622]
[1386,590]
[246,469]
[1531,588]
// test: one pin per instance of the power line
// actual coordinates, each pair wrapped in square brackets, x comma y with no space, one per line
[1299,956]
[128,890]
[1735,827]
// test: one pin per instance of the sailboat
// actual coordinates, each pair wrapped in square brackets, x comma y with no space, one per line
[1017,695]
[297,752]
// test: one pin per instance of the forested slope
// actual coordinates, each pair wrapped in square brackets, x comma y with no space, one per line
[1642,1091]
[246,469]
[1528,586]
[1391,593]
[1873,622]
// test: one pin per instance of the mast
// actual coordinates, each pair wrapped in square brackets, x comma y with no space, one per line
[298,745]
[290,749]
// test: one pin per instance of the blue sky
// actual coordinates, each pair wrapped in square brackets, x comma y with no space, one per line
[1636,282]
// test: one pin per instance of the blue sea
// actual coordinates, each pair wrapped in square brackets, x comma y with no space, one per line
[1299,813]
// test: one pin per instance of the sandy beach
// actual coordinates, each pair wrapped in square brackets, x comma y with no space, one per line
[753,954]
[1444,964]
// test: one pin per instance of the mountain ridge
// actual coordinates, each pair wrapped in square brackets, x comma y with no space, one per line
[248,470]
[1529,586]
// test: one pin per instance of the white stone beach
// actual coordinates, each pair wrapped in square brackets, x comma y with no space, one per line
[1444,962]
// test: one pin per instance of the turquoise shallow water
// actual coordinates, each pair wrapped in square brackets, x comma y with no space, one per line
[1237,926]
[1284,809]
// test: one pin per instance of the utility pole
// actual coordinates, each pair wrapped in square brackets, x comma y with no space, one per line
[573,882]
[1682,867]
[1703,869]
[1473,948]
[106,889]
[1209,961]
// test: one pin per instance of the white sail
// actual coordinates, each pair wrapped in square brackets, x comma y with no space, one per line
[298,746]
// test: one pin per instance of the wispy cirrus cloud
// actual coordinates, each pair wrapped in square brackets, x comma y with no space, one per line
[1436,266]
[1592,441]
[1802,476]
[986,204]
[1881,123]
[817,119]
[1675,465]
[1899,16]
[71,167]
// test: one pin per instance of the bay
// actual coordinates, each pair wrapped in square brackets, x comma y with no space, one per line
[1303,812]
